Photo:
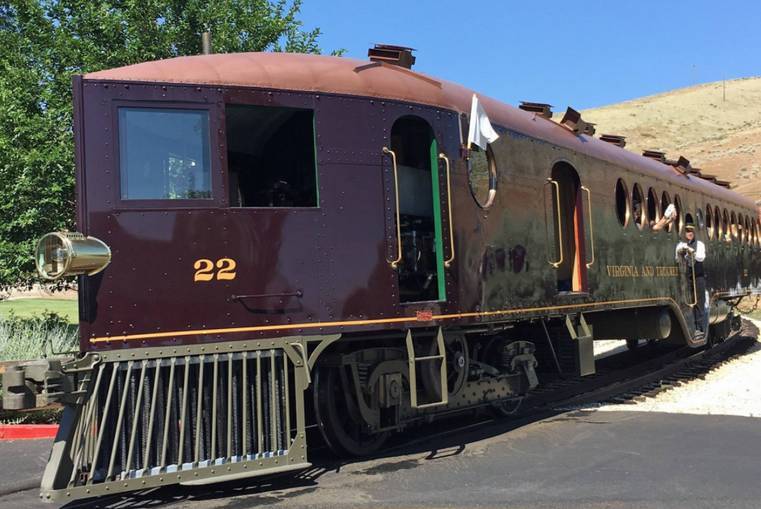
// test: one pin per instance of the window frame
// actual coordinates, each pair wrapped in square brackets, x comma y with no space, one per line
[491,165]
[216,200]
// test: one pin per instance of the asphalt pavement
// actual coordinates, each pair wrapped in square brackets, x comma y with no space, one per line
[571,460]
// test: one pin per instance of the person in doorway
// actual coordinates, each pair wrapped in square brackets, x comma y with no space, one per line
[692,252]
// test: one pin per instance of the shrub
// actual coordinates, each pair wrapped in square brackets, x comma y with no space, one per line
[33,338]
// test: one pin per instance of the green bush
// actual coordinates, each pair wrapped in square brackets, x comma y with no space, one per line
[40,336]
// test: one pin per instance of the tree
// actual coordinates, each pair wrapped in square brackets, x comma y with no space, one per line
[44,42]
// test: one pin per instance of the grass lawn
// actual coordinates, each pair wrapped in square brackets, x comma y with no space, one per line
[35,307]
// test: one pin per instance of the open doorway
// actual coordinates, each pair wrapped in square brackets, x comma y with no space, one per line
[421,270]
[572,270]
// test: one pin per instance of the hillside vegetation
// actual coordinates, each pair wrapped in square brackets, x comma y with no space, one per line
[720,136]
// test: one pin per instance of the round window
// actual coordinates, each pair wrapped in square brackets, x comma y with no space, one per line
[482,176]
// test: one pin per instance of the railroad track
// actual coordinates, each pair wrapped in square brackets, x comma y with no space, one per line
[655,372]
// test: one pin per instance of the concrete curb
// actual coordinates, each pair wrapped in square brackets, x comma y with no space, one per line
[27,431]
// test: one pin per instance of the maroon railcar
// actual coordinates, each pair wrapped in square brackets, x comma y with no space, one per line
[298,238]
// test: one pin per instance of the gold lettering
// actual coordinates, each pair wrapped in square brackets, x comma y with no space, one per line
[632,271]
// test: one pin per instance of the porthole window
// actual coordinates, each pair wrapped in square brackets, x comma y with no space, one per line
[699,222]
[679,221]
[482,176]
[709,222]
[725,226]
[652,207]
[746,231]
[638,207]
[665,202]
[717,223]
[622,203]
[753,239]
[688,219]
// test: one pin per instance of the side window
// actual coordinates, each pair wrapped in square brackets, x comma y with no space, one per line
[270,156]
[652,206]
[748,236]
[622,203]
[725,226]
[709,222]
[638,209]
[164,154]
[665,202]
[482,176]
[679,221]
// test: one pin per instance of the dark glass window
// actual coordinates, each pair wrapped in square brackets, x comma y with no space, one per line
[622,203]
[652,206]
[271,156]
[164,154]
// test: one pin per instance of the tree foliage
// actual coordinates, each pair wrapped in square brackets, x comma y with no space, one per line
[44,42]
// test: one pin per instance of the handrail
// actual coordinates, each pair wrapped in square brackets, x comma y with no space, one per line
[694,284]
[591,226]
[449,260]
[395,263]
[557,263]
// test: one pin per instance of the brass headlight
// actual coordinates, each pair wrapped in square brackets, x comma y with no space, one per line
[61,254]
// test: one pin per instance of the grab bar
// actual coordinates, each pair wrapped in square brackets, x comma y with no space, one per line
[591,226]
[395,263]
[449,260]
[557,263]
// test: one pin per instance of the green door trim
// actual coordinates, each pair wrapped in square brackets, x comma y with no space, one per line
[439,241]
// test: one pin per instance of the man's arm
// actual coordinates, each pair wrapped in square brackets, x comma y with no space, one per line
[678,251]
[700,252]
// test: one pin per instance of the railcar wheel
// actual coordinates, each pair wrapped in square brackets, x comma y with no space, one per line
[458,362]
[507,407]
[338,416]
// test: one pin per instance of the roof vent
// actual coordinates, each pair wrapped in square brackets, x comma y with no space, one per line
[682,165]
[698,172]
[390,54]
[619,141]
[654,154]
[541,109]
[710,178]
[723,183]
[572,120]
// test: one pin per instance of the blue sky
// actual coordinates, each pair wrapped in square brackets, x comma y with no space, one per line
[567,53]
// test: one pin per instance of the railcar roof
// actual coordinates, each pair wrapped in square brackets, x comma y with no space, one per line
[347,76]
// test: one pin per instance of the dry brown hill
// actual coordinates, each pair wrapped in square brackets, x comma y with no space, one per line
[720,135]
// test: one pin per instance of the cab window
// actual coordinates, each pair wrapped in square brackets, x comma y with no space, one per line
[164,154]
[270,156]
